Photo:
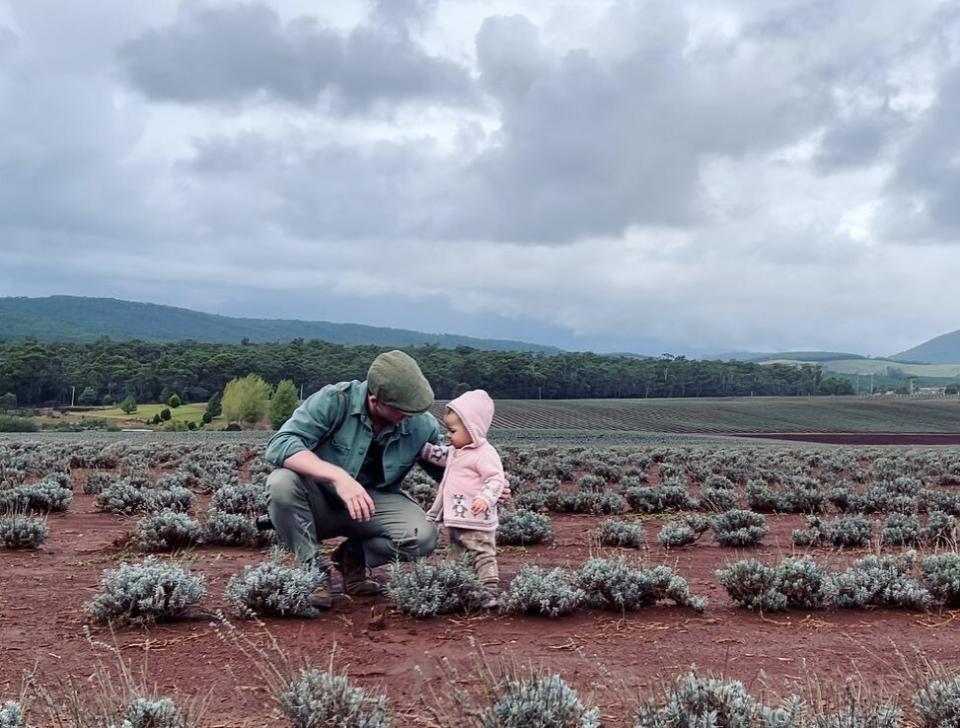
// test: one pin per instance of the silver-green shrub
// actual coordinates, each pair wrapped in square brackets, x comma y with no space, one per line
[96,482]
[11,715]
[150,591]
[941,575]
[45,496]
[754,585]
[739,528]
[319,699]
[248,500]
[620,533]
[229,529]
[804,583]
[167,530]
[523,527]
[718,499]
[803,495]
[901,529]
[706,702]
[938,704]
[763,499]
[541,702]
[18,531]
[643,499]
[426,590]
[941,529]
[535,590]
[674,496]
[123,498]
[173,498]
[880,581]
[158,713]
[843,531]
[675,534]
[272,589]
[613,584]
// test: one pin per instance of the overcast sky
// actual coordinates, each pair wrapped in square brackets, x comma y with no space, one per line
[680,176]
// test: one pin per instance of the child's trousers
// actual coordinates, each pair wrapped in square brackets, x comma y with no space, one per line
[482,547]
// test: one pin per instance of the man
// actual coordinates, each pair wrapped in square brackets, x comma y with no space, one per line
[342,456]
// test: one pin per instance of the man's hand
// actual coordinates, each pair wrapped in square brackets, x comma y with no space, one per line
[479,506]
[355,497]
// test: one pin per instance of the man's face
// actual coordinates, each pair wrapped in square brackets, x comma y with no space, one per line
[385,412]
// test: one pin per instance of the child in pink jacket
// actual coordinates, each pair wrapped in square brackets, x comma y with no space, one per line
[472,482]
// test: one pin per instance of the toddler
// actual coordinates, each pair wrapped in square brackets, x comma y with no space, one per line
[472,482]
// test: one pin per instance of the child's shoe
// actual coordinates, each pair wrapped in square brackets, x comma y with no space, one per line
[490,604]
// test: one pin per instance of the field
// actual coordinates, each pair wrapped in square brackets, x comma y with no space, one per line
[740,415]
[184,413]
[612,657]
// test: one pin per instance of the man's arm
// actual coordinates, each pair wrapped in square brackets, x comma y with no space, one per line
[292,446]
[310,422]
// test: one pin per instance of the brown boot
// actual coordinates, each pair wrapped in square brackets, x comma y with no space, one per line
[356,577]
[322,596]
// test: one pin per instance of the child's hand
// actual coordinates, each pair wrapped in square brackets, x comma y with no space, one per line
[479,506]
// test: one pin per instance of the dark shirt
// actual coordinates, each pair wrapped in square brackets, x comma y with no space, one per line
[371,472]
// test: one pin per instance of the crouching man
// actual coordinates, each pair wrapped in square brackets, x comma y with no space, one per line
[342,456]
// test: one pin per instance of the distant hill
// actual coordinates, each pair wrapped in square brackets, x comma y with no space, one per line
[943,349]
[812,357]
[880,366]
[77,318]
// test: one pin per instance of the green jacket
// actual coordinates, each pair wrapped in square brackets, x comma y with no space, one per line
[334,424]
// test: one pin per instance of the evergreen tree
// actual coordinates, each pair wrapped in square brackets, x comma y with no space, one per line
[283,403]
[128,405]
[87,397]
[215,406]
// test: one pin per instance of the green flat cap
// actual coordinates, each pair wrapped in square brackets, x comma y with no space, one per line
[396,380]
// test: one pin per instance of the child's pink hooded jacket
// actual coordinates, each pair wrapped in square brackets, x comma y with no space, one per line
[472,471]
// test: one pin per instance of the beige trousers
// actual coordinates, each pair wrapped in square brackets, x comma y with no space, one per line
[481,548]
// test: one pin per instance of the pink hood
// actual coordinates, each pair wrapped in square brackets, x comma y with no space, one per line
[475,410]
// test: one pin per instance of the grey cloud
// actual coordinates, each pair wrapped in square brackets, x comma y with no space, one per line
[858,141]
[589,147]
[510,55]
[404,13]
[8,42]
[924,191]
[229,54]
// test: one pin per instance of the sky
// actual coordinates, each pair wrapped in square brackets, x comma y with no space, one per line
[682,176]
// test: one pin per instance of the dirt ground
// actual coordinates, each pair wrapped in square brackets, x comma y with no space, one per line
[610,658]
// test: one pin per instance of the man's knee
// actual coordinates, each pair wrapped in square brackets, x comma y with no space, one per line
[426,540]
[283,488]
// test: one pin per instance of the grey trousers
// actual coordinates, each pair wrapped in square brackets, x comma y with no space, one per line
[305,512]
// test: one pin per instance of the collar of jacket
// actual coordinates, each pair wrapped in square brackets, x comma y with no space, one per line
[358,408]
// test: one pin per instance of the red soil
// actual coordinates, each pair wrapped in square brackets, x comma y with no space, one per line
[610,658]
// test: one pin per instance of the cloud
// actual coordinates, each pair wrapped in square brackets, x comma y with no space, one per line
[657,176]
[242,52]
[924,191]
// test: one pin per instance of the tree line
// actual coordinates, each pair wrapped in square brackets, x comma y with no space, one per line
[38,373]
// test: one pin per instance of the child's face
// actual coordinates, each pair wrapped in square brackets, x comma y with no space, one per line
[457,434]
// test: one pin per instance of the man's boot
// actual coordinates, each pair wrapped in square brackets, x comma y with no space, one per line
[349,561]
[322,596]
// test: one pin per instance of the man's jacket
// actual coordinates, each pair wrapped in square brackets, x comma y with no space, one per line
[334,424]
